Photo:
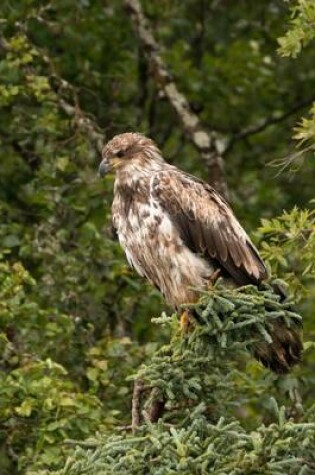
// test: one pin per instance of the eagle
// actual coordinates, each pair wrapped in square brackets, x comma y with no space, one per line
[180,234]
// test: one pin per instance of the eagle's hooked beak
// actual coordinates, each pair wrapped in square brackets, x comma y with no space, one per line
[108,164]
[104,168]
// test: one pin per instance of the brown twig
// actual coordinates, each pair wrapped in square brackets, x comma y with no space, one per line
[138,389]
[153,407]
[83,122]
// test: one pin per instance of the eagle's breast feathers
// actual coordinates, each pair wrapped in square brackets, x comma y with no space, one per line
[153,245]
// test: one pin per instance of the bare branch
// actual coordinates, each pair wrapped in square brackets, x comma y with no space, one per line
[153,407]
[208,144]
[138,389]
[58,84]
[266,122]
[84,123]
[80,118]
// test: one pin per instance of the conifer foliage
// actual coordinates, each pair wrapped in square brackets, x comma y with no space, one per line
[201,379]
[197,446]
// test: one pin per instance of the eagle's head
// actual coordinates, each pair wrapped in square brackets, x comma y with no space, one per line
[128,149]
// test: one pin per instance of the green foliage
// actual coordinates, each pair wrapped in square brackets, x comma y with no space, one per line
[304,132]
[40,405]
[300,34]
[40,408]
[21,316]
[229,322]
[74,320]
[200,447]
[198,376]
[301,31]
[289,246]
[290,239]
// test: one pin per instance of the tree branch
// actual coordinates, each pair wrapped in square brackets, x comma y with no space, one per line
[80,118]
[84,123]
[208,144]
[266,122]
[211,146]
[138,389]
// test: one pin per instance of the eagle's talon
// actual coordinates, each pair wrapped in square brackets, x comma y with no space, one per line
[186,321]
[213,278]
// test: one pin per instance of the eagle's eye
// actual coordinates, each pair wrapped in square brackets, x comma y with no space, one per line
[120,154]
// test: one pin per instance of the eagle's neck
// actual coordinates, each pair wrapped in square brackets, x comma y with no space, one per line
[139,170]
[132,185]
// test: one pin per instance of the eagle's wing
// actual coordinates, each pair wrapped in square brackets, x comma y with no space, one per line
[207,224]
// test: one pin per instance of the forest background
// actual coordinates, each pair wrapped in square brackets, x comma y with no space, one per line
[75,321]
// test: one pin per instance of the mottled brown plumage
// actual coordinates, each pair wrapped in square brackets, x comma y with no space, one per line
[177,231]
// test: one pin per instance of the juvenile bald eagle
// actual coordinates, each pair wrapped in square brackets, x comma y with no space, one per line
[179,233]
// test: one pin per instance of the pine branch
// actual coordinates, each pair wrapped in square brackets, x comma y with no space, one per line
[196,378]
[201,447]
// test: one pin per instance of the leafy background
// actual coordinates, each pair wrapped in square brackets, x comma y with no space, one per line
[75,321]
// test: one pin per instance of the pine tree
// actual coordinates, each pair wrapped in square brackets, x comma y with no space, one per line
[202,381]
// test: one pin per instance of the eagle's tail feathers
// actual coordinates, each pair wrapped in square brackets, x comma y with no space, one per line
[285,350]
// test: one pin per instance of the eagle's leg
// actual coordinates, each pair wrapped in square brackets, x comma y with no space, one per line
[213,278]
[186,321]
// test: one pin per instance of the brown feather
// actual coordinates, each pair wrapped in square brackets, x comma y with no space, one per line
[207,225]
